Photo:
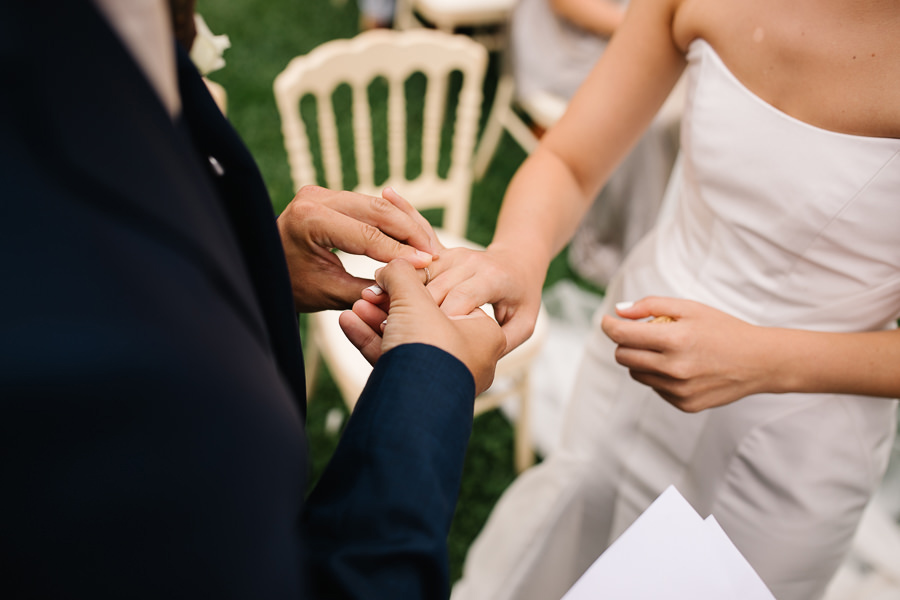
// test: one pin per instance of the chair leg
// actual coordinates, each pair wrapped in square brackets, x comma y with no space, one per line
[312,358]
[404,18]
[493,129]
[522,133]
[524,452]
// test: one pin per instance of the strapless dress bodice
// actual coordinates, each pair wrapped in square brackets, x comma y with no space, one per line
[777,221]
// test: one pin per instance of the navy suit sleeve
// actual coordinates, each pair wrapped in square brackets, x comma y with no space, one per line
[376,525]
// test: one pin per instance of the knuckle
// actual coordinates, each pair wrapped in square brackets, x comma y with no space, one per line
[370,234]
[671,396]
[687,404]
[301,208]
[679,370]
[618,354]
[684,396]
[380,205]
[678,338]
[309,190]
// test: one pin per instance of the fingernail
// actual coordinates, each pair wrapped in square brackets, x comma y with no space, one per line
[424,255]
[624,305]
[375,289]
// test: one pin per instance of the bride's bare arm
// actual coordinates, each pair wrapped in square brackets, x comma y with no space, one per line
[554,187]
[601,17]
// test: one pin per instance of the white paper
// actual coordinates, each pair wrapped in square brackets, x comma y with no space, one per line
[670,552]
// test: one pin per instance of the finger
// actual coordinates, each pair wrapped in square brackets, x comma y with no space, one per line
[461,299]
[453,268]
[329,229]
[516,331]
[392,222]
[323,283]
[315,193]
[489,333]
[375,295]
[427,275]
[636,334]
[654,307]
[641,360]
[669,389]
[403,283]
[517,324]
[361,335]
[659,383]
[371,314]
[413,313]
[443,278]
[391,195]
[352,222]
[475,314]
[490,344]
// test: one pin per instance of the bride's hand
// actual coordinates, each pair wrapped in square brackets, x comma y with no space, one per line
[701,359]
[461,280]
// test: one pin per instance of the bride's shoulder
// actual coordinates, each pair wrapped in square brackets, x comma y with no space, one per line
[831,64]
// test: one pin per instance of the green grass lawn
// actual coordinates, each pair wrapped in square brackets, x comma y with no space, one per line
[265,35]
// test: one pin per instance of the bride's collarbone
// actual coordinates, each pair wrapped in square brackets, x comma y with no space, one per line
[840,75]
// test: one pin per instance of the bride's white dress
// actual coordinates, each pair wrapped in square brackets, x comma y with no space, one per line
[776,222]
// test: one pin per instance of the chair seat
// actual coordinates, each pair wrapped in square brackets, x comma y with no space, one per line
[462,13]
[351,373]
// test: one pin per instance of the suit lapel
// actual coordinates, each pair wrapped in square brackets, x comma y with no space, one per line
[246,201]
[162,187]
[158,185]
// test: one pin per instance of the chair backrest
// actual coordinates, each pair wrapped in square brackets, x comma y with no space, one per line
[391,58]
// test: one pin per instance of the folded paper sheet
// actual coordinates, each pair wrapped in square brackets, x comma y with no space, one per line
[670,552]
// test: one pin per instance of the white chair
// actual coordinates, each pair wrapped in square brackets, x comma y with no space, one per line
[395,57]
[487,19]
[542,109]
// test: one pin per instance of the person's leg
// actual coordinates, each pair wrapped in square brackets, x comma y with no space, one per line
[794,490]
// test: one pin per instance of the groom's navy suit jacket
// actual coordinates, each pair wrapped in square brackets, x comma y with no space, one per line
[151,383]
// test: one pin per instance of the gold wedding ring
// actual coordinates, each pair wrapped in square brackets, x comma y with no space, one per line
[662,319]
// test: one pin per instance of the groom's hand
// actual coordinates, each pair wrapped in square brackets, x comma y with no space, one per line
[413,316]
[319,220]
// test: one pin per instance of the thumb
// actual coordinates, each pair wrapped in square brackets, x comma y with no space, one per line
[403,284]
[413,315]
[652,306]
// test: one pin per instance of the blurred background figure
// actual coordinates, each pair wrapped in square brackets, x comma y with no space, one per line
[376,13]
[554,45]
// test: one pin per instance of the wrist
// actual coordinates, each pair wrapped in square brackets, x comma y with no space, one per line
[785,359]
[529,261]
